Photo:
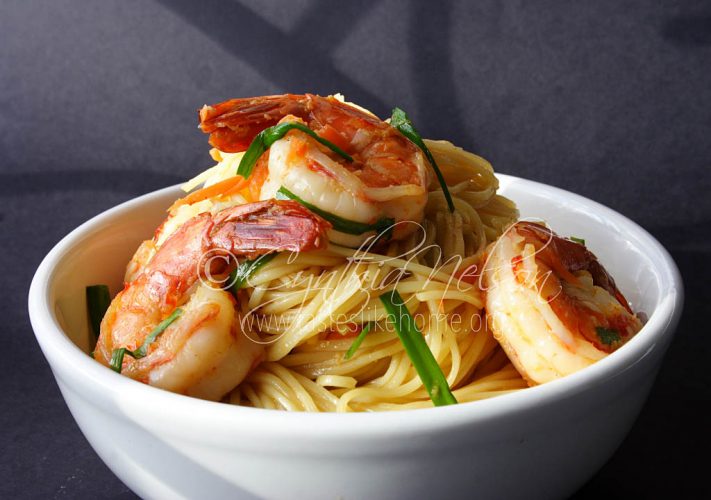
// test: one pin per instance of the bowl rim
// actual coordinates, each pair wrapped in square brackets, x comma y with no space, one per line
[67,359]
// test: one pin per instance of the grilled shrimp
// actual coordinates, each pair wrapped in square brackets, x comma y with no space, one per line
[551,304]
[204,352]
[388,178]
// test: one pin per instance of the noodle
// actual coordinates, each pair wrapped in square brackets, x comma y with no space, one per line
[298,306]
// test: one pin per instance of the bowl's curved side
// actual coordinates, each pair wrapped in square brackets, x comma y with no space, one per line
[544,441]
[545,452]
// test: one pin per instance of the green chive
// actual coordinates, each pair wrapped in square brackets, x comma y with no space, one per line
[358,341]
[400,121]
[97,302]
[383,225]
[419,353]
[607,336]
[269,136]
[246,269]
[143,350]
[577,240]
[117,355]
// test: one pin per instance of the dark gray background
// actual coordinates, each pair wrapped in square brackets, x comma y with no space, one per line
[611,100]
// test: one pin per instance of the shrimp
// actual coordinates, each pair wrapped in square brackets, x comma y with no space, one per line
[204,353]
[551,304]
[387,179]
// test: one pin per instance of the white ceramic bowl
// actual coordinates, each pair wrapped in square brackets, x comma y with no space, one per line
[542,442]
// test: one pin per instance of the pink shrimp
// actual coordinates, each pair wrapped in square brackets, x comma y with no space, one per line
[551,304]
[204,353]
[387,179]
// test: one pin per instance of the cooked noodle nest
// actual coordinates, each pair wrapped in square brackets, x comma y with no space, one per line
[300,305]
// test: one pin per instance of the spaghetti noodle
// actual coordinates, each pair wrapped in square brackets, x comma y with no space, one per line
[306,309]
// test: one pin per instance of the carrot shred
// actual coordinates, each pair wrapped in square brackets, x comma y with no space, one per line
[228,186]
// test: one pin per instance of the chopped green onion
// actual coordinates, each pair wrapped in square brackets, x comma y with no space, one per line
[400,121]
[358,341]
[577,240]
[607,336]
[246,269]
[117,355]
[422,359]
[97,302]
[383,225]
[269,136]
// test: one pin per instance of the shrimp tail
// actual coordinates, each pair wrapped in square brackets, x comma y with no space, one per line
[233,124]
[566,257]
[248,230]
[268,226]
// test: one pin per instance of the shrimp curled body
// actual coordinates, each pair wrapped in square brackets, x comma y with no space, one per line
[387,179]
[551,304]
[204,353]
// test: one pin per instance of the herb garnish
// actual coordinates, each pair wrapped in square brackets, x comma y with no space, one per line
[607,336]
[117,355]
[383,225]
[400,121]
[245,270]
[417,349]
[358,341]
[269,136]
[97,302]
